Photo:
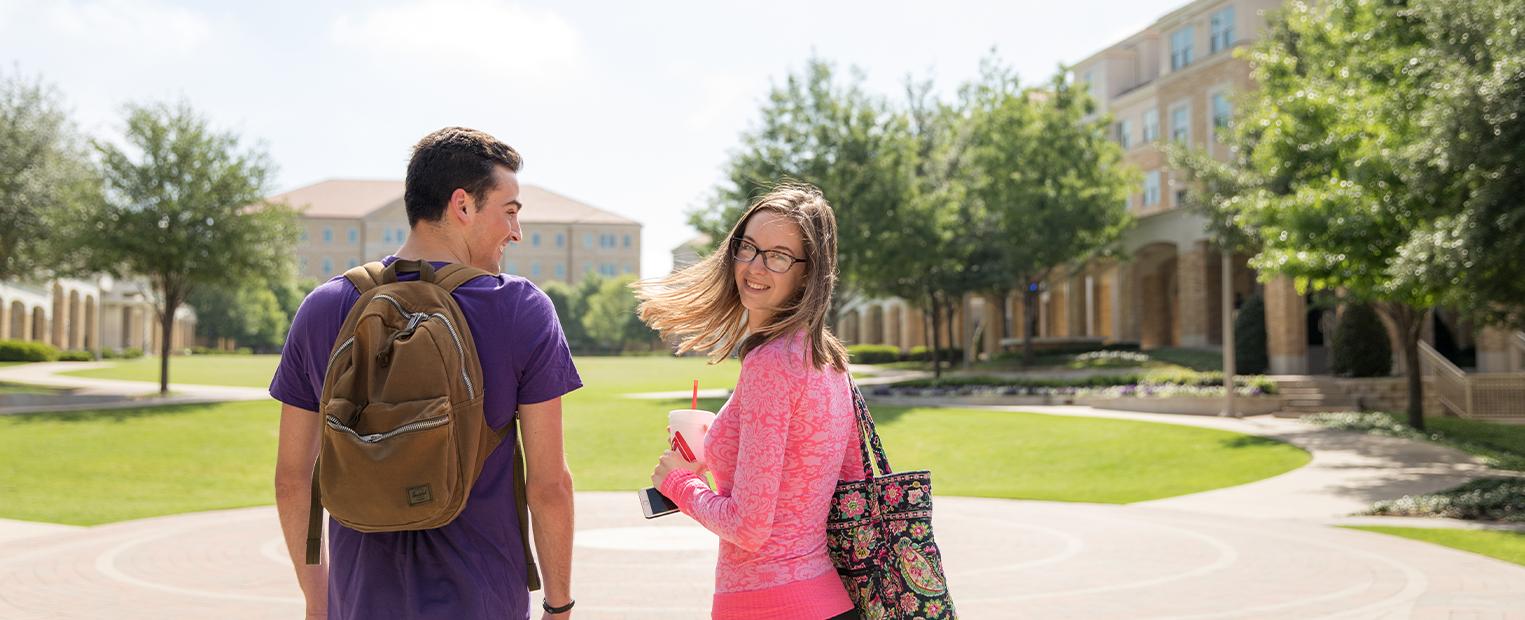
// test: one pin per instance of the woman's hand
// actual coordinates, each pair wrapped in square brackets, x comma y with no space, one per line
[670,461]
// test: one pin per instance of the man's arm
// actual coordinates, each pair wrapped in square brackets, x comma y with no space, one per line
[548,490]
[295,454]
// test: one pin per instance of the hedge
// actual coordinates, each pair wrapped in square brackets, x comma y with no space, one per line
[24,351]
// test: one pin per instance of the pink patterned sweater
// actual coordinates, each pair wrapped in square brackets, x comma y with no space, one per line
[777,450]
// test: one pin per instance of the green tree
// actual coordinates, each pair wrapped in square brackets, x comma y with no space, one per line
[44,174]
[183,207]
[1049,182]
[1318,183]
[829,133]
[611,322]
[1471,152]
[569,310]
[1250,337]
[251,315]
[1360,344]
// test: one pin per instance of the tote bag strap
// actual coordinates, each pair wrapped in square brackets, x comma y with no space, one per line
[868,436]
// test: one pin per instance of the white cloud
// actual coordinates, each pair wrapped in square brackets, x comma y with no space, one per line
[123,25]
[489,36]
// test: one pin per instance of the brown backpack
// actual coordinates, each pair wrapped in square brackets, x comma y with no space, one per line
[404,435]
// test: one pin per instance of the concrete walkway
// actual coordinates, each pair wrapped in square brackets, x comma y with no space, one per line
[131,393]
[1261,550]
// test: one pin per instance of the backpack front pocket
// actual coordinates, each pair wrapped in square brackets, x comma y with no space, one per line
[398,446]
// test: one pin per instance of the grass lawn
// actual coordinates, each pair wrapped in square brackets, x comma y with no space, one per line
[107,466]
[89,468]
[1506,546]
[20,388]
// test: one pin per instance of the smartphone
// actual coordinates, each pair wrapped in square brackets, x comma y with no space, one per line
[654,504]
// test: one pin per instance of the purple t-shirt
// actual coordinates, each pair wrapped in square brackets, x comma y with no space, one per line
[473,567]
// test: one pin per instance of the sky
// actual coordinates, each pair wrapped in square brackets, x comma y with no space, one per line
[632,107]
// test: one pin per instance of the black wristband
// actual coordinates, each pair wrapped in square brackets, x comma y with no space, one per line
[546,605]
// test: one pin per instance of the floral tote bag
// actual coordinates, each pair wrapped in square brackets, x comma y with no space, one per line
[879,535]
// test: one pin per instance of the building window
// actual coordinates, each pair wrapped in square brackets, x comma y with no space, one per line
[354,235]
[1180,128]
[1125,133]
[1223,112]
[628,267]
[401,235]
[328,267]
[1151,125]
[535,269]
[561,240]
[1180,48]
[627,241]
[587,241]
[304,234]
[1152,188]
[304,264]
[561,270]
[1180,198]
[535,239]
[1223,29]
[386,235]
[328,237]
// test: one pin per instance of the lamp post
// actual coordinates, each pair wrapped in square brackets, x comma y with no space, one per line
[1228,334]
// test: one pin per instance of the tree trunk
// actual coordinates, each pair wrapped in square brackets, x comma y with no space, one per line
[166,327]
[937,369]
[1407,320]
[1029,324]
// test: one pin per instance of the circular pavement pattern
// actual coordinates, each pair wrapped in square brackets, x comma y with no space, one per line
[1005,559]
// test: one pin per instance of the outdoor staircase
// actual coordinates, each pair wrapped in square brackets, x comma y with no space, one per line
[1311,394]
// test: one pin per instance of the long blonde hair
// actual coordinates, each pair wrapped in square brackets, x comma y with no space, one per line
[701,306]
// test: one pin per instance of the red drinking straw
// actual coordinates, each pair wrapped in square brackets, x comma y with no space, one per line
[696,395]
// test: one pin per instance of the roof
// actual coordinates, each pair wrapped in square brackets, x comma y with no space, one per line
[341,198]
[355,199]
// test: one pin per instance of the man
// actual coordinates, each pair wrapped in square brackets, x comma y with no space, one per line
[462,199]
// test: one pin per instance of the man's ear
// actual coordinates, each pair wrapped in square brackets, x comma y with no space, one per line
[460,206]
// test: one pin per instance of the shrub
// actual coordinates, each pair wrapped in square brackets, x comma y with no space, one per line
[1250,337]
[215,351]
[1487,499]
[1361,347]
[129,353]
[23,351]
[873,353]
[76,356]
[923,354]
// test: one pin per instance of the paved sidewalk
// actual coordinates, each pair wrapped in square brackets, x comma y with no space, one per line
[1005,559]
[1261,550]
[132,393]
[1349,471]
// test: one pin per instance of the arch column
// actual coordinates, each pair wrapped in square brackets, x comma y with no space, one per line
[60,318]
[1194,298]
[1286,328]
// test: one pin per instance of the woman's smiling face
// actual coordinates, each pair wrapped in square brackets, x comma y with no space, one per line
[768,238]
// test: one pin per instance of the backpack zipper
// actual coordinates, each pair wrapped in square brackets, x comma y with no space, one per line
[460,348]
[420,425]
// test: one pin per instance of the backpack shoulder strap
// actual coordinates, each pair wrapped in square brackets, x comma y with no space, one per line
[454,275]
[366,277]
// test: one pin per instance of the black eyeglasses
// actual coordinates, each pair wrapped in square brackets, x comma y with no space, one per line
[777,261]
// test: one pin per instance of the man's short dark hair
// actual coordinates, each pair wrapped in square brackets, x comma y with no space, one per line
[450,159]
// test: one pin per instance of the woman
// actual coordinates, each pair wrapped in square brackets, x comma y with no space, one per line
[786,436]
